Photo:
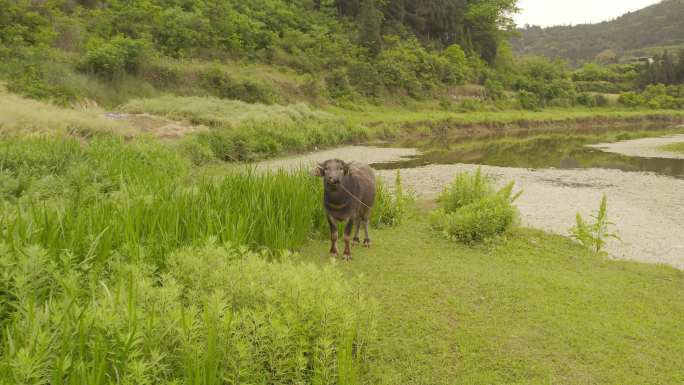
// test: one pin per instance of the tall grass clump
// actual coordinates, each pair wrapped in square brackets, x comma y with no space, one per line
[390,206]
[594,235]
[471,210]
[242,131]
[217,315]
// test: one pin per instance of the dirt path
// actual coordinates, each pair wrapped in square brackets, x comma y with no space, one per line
[648,209]
[645,147]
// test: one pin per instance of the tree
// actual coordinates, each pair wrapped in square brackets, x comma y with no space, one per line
[370,26]
[668,74]
[487,22]
[680,67]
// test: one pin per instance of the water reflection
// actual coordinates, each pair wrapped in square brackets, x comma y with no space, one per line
[541,151]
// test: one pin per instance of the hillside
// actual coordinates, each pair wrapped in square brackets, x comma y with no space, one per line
[658,26]
[112,50]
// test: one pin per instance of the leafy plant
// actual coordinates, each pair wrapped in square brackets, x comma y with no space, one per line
[472,211]
[594,235]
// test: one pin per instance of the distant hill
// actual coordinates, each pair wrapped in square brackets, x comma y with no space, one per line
[649,30]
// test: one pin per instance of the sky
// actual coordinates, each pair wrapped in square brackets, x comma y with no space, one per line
[564,12]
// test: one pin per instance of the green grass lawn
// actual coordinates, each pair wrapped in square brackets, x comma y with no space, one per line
[675,147]
[532,309]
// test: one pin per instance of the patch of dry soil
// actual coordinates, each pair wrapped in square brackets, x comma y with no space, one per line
[648,209]
[160,127]
[644,147]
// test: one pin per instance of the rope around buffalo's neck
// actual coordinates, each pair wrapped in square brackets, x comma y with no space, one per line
[354,196]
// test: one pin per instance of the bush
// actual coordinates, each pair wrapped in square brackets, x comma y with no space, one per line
[457,69]
[220,83]
[529,101]
[656,96]
[632,99]
[217,313]
[115,57]
[471,211]
[478,221]
[494,89]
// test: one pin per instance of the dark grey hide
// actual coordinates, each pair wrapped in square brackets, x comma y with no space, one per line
[349,195]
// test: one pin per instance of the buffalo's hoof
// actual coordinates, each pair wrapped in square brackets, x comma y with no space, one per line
[367,243]
[347,257]
[356,241]
[334,254]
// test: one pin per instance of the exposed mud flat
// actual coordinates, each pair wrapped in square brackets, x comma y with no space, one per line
[160,127]
[644,147]
[648,209]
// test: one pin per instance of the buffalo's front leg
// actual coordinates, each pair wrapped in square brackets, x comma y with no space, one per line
[347,237]
[333,237]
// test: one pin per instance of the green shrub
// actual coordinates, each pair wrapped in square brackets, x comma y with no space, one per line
[478,221]
[632,99]
[222,84]
[215,315]
[494,89]
[471,211]
[115,57]
[338,83]
[529,101]
[457,70]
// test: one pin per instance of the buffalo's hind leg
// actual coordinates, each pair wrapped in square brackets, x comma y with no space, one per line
[366,240]
[333,237]
[347,237]
[357,227]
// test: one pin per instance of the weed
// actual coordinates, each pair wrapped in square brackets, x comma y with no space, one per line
[594,235]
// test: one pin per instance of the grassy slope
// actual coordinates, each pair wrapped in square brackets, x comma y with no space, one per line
[535,308]
[675,147]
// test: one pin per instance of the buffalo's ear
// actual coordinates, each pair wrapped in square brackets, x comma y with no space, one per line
[318,170]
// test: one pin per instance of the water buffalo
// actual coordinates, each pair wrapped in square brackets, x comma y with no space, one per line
[349,195]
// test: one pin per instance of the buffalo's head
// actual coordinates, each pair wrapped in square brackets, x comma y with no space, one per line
[332,171]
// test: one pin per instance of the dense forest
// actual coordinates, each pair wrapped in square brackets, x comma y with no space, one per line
[633,34]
